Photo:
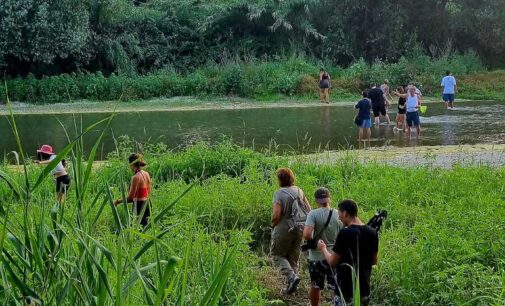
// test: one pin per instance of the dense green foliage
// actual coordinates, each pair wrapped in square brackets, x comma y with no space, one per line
[442,243]
[140,36]
[258,80]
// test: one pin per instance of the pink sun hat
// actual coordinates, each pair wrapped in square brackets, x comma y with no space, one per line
[46,149]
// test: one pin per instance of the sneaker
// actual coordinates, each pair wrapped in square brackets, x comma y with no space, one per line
[293,285]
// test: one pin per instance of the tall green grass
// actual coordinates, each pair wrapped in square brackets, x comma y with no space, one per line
[67,254]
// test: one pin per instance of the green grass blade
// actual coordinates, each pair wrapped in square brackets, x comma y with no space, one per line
[167,275]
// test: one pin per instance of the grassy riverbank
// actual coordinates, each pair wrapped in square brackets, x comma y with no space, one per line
[442,243]
[259,82]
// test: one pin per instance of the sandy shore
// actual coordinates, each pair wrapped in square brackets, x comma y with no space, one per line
[170,104]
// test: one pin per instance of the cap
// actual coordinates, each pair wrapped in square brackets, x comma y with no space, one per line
[322,195]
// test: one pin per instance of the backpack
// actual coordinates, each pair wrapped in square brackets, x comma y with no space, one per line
[299,211]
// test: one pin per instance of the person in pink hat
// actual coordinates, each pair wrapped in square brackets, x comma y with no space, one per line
[44,156]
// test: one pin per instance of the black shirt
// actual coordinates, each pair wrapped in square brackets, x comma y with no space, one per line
[377,96]
[401,102]
[353,242]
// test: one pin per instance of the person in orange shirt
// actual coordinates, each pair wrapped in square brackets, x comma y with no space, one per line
[140,189]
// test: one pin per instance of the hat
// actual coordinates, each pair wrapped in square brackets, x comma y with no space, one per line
[137,159]
[322,195]
[46,149]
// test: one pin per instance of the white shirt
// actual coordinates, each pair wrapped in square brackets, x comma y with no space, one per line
[59,167]
[412,103]
[449,84]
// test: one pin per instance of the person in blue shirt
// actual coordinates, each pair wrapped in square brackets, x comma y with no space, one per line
[363,119]
[449,90]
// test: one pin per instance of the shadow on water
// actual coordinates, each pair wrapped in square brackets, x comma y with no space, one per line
[304,130]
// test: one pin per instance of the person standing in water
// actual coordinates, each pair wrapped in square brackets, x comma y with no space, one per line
[402,110]
[387,93]
[324,86]
[363,117]
[449,90]
[413,103]
[45,155]
[378,104]
[140,188]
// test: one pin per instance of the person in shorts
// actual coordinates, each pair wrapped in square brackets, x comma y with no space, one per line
[364,106]
[402,110]
[387,93]
[412,105]
[378,104]
[324,86]
[355,252]
[449,90]
[45,155]
[322,223]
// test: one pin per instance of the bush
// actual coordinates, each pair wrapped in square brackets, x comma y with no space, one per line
[254,79]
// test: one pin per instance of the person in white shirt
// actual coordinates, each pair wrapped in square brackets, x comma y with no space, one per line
[449,90]
[46,155]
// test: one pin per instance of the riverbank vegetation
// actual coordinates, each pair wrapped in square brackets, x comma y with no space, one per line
[60,51]
[264,81]
[206,245]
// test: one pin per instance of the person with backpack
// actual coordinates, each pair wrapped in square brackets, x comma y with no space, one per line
[322,223]
[45,155]
[289,213]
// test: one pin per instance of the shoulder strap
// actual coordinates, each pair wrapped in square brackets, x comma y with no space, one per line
[325,225]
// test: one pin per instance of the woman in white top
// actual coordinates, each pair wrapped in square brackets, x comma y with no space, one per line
[413,103]
[45,155]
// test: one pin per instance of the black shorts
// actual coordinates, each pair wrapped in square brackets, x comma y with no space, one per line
[320,271]
[379,109]
[137,209]
[62,183]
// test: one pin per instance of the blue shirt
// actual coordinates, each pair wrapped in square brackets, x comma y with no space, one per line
[364,107]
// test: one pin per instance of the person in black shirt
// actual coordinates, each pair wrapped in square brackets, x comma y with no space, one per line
[355,252]
[376,95]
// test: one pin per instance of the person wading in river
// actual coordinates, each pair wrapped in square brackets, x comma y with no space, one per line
[289,214]
[413,103]
[140,188]
[378,104]
[45,155]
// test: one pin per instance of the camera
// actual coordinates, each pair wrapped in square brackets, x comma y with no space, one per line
[377,220]
[309,245]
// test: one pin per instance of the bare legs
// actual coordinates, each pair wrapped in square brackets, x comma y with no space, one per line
[364,132]
[324,95]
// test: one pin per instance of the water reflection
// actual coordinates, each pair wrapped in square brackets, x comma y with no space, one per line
[304,129]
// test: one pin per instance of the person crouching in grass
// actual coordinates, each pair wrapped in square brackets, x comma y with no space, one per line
[45,155]
[363,119]
[140,188]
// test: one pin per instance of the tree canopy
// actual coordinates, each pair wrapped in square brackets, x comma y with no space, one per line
[138,36]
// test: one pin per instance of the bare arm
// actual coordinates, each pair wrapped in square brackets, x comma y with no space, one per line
[307,232]
[331,257]
[276,214]
[399,94]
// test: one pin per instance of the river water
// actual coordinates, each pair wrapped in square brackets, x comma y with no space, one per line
[302,129]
